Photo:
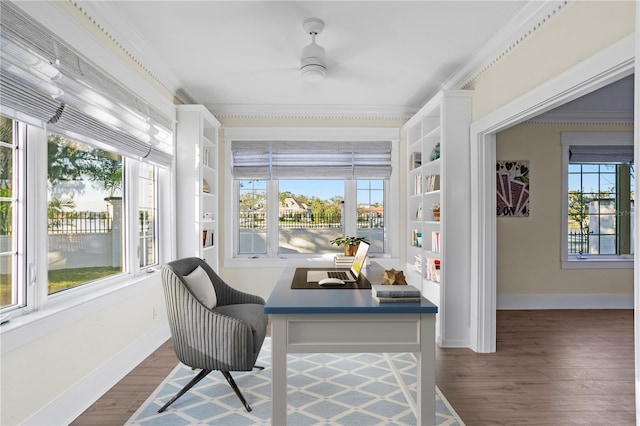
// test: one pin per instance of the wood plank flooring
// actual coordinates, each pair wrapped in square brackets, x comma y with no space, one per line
[559,367]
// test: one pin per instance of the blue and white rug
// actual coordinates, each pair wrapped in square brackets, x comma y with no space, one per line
[323,389]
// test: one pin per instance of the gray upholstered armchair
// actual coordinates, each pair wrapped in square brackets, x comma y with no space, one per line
[213,325]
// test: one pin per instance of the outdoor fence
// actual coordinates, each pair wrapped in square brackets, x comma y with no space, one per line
[578,242]
[79,223]
[257,220]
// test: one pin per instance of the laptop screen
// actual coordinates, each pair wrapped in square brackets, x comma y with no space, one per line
[359,258]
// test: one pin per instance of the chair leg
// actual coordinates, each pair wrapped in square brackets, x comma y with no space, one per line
[201,375]
[235,388]
[259,367]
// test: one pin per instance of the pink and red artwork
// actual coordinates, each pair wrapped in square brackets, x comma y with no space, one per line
[512,188]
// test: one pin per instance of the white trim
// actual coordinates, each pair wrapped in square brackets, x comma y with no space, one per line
[564,301]
[361,134]
[75,400]
[609,65]
[312,111]
[527,20]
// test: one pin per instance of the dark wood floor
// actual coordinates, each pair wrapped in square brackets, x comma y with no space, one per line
[551,368]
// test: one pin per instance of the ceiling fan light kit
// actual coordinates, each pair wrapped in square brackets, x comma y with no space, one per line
[312,67]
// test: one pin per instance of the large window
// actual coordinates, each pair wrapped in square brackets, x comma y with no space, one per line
[600,197]
[292,196]
[84,213]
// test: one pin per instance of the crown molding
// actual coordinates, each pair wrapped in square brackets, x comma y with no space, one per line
[311,111]
[527,20]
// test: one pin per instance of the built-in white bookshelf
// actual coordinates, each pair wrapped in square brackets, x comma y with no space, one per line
[197,183]
[437,259]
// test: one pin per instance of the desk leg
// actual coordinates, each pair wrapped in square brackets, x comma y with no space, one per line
[278,370]
[426,403]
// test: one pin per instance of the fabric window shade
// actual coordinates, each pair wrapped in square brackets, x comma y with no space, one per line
[598,154]
[311,160]
[43,77]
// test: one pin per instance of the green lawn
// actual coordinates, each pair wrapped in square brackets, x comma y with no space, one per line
[61,279]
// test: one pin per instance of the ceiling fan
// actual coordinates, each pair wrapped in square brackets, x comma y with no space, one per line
[312,63]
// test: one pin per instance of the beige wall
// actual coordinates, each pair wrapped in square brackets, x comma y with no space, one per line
[528,248]
[577,32]
[262,280]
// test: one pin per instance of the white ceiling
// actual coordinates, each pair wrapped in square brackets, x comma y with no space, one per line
[382,55]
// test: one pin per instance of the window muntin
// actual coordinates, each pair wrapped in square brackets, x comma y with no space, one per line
[370,210]
[600,209]
[147,215]
[85,213]
[9,242]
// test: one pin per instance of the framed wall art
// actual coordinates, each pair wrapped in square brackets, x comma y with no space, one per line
[512,188]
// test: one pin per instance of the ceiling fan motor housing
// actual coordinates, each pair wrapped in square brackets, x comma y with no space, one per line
[312,66]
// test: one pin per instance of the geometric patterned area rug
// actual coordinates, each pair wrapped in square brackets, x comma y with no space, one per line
[322,389]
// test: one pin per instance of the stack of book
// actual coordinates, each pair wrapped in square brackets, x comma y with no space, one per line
[342,261]
[395,293]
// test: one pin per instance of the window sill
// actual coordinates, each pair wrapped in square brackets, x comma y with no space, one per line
[280,262]
[592,262]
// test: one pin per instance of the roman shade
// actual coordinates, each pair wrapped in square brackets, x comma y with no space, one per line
[311,160]
[44,78]
[599,154]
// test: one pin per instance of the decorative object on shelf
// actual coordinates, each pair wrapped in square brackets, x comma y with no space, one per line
[435,209]
[350,244]
[435,153]
[205,186]
[512,188]
[207,216]
[416,160]
[393,277]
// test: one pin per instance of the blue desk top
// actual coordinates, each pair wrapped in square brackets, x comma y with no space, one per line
[285,300]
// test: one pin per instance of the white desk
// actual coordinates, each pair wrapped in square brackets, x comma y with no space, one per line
[347,321]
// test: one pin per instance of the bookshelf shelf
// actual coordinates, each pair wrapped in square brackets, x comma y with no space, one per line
[444,120]
[197,162]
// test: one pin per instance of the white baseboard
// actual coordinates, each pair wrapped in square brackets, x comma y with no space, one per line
[69,405]
[565,301]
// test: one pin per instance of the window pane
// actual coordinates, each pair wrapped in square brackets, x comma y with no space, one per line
[147,212]
[8,236]
[85,213]
[600,218]
[309,215]
[252,217]
[370,210]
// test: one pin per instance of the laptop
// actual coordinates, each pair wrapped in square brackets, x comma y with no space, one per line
[347,275]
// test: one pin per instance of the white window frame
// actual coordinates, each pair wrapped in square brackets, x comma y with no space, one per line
[33,254]
[272,259]
[577,261]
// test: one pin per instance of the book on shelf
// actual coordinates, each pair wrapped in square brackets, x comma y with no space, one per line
[397,299]
[432,183]
[416,237]
[417,184]
[394,291]
[417,263]
[435,241]
[432,271]
[342,260]
[207,237]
